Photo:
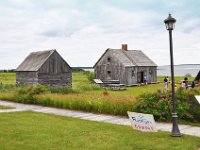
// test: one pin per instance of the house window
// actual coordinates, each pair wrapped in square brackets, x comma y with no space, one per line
[150,71]
[133,73]
[108,74]
[109,59]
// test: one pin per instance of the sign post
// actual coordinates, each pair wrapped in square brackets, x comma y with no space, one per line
[142,122]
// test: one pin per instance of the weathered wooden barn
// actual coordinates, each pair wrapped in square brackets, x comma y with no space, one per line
[130,67]
[44,67]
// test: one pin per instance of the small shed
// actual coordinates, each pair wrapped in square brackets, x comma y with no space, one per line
[130,67]
[44,67]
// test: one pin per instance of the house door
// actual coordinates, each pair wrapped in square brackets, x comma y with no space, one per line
[140,77]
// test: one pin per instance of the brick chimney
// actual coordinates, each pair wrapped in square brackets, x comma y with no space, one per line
[125,47]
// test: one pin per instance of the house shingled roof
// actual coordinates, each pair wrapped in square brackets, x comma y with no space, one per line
[130,57]
[35,60]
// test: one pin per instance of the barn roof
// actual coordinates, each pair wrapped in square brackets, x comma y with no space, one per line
[129,57]
[35,60]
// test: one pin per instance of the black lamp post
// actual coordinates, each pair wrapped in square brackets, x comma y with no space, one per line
[170,24]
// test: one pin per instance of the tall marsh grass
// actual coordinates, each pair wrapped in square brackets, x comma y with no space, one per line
[7,87]
[98,103]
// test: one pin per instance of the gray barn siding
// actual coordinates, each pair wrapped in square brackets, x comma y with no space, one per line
[55,80]
[53,72]
[30,78]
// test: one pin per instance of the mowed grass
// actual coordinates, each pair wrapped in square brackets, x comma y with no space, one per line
[37,131]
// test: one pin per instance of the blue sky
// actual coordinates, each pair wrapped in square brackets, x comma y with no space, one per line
[81,30]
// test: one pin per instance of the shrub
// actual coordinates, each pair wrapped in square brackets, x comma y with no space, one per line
[26,94]
[38,89]
[188,75]
[61,90]
[7,87]
[160,105]
[90,87]
[90,75]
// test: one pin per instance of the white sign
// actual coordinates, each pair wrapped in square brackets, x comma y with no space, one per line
[198,98]
[142,122]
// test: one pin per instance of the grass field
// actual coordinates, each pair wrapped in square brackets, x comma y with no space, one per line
[81,84]
[34,131]
[7,78]
[83,96]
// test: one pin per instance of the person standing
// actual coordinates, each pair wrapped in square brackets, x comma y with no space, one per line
[186,82]
[145,80]
[166,83]
[193,84]
[183,84]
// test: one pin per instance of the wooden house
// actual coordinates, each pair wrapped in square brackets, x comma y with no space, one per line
[44,67]
[130,67]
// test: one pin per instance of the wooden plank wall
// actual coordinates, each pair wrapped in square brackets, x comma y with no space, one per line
[54,72]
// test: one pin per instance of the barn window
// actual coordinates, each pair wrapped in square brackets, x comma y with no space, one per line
[108,72]
[109,59]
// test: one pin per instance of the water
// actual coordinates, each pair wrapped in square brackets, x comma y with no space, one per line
[179,70]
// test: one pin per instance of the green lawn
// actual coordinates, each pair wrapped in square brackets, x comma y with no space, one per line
[37,131]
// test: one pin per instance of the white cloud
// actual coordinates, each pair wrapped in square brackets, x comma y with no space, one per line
[82,31]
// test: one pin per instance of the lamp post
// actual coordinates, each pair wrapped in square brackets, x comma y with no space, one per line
[170,24]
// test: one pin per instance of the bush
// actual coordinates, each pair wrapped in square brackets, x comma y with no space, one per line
[7,87]
[77,69]
[91,87]
[90,75]
[26,94]
[160,105]
[188,75]
[61,90]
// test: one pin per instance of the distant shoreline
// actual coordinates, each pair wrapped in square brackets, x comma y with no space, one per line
[179,70]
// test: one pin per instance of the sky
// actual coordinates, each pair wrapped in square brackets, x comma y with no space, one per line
[81,30]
